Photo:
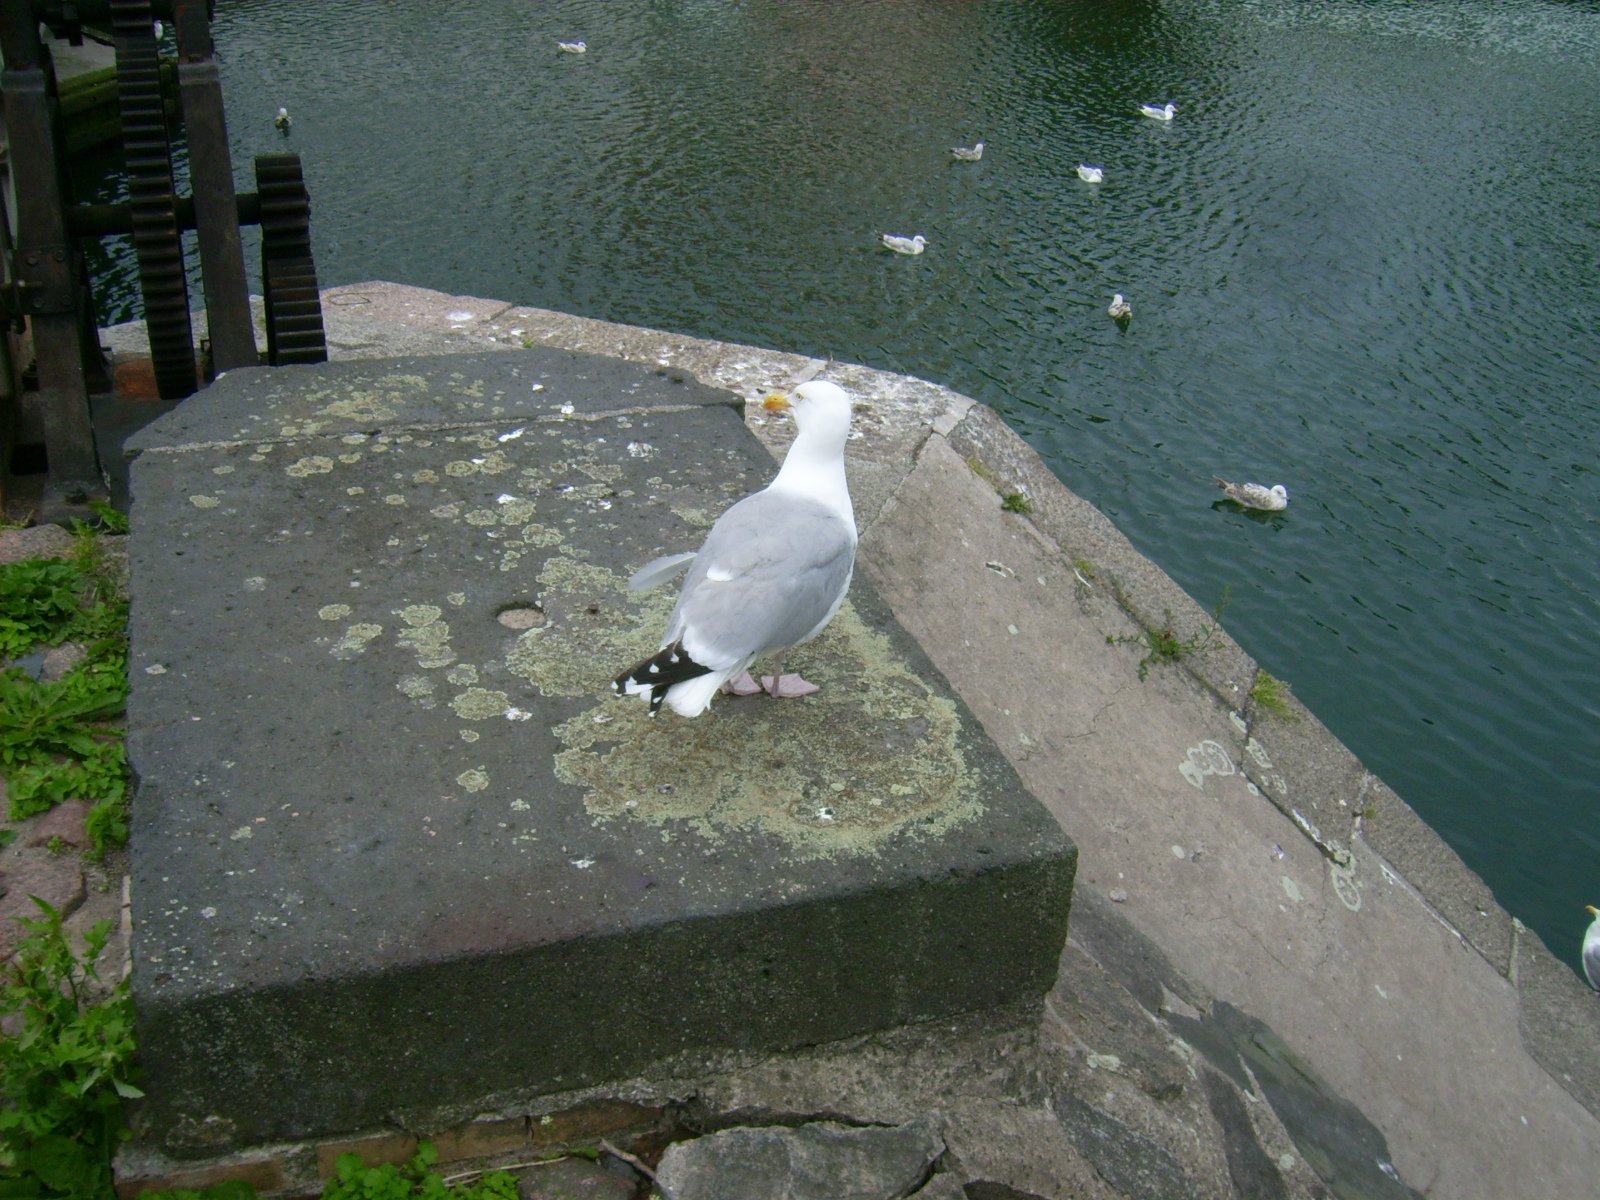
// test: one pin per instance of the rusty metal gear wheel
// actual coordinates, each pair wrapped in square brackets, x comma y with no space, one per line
[288,274]
[157,239]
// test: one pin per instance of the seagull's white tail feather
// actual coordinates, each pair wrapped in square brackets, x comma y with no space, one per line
[670,675]
[690,699]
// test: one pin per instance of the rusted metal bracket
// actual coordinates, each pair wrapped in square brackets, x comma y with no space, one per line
[42,282]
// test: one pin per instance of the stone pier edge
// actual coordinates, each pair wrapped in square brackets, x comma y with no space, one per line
[381,319]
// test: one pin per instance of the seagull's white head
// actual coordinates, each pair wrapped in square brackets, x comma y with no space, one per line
[1281,492]
[822,410]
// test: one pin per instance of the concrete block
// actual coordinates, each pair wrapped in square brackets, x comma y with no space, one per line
[819,1161]
[1392,827]
[1558,1017]
[1308,773]
[396,848]
[481,1139]
[1095,547]
[588,1122]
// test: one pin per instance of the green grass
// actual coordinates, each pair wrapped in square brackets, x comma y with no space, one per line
[66,1068]
[62,739]
[414,1181]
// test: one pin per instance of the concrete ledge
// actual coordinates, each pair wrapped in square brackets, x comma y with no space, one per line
[1456,1034]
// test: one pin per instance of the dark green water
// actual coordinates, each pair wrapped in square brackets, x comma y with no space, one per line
[1362,263]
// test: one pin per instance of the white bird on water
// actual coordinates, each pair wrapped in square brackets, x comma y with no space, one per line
[1120,309]
[1090,174]
[772,573]
[904,245]
[1160,112]
[1591,949]
[1253,495]
[282,120]
[968,153]
[572,47]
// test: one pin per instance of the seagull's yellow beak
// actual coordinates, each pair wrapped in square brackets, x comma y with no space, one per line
[775,402]
[1591,909]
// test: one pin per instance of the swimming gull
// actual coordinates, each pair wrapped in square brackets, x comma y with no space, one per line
[1161,112]
[1591,949]
[904,245]
[1120,309]
[772,572]
[1090,174]
[572,47]
[968,153]
[1253,495]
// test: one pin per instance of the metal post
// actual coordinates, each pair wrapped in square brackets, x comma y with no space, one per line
[47,265]
[216,213]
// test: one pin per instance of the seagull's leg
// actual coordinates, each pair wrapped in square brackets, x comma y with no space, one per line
[784,687]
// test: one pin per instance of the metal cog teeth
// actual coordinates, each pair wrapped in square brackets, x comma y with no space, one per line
[152,201]
[288,272]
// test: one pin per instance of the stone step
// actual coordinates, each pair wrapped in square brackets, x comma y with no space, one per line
[398,855]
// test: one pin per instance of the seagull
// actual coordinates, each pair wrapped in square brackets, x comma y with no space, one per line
[572,47]
[772,573]
[968,153]
[282,120]
[1591,949]
[1090,174]
[1253,495]
[905,245]
[1120,309]
[1158,111]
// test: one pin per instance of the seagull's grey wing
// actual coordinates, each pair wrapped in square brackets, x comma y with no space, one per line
[658,570]
[773,570]
[1591,962]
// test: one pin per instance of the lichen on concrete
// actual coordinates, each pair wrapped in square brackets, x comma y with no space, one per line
[595,627]
[427,635]
[874,754]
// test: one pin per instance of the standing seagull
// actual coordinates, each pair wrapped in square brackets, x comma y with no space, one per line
[1253,495]
[771,574]
[1158,112]
[968,153]
[1591,949]
[282,120]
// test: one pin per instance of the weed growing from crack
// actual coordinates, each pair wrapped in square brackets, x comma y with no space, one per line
[1016,502]
[1271,695]
[1163,645]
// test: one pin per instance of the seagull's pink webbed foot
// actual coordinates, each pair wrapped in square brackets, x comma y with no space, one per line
[785,687]
[742,684]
